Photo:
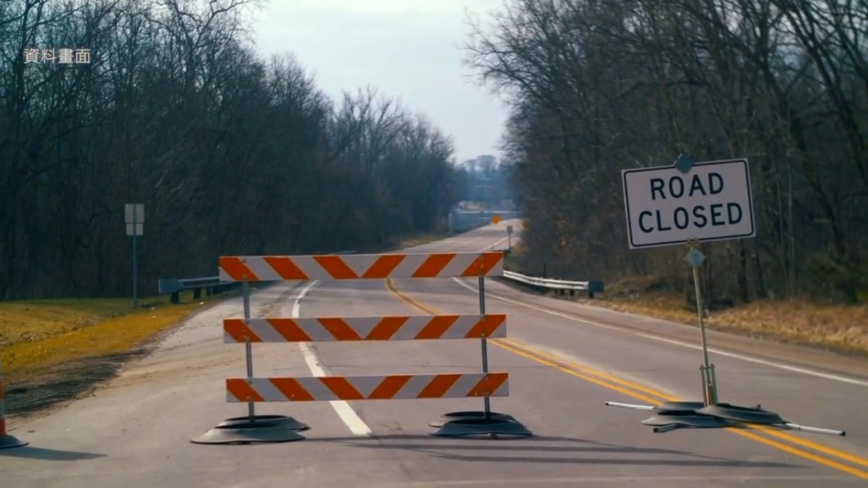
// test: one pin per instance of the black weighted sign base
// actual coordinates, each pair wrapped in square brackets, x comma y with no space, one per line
[675,415]
[262,429]
[475,427]
[469,414]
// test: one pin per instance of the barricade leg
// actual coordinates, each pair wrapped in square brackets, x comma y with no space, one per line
[253,429]
[6,441]
[475,423]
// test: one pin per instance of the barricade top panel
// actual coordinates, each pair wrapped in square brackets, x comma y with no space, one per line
[396,328]
[389,387]
[360,266]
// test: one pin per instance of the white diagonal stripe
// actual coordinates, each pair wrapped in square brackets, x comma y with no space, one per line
[461,327]
[412,327]
[459,264]
[366,384]
[408,266]
[265,330]
[260,268]
[413,387]
[361,263]
[316,388]
[363,325]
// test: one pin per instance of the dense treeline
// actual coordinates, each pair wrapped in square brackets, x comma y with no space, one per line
[229,153]
[599,86]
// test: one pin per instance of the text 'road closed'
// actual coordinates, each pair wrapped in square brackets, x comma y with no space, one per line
[665,206]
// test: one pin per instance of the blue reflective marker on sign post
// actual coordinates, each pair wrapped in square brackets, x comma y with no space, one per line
[684,163]
[695,258]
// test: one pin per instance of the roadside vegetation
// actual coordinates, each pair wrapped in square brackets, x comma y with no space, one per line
[229,151]
[598,87]
[807,321]
[55,350]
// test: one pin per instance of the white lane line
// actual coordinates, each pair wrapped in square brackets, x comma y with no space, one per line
[349,416]
[795,369]
[805,371]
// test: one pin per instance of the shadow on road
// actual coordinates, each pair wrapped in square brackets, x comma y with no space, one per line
[487,450]
[48,454]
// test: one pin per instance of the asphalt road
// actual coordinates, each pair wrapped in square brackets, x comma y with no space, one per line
[565,361]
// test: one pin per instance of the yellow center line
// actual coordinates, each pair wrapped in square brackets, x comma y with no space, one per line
[654,397]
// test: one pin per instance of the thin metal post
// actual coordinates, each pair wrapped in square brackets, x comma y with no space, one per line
[486,399]
[248,348]
[707,372]
[701,316]
[135,263]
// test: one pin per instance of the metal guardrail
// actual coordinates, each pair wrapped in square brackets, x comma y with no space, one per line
[590,287]
[211,284]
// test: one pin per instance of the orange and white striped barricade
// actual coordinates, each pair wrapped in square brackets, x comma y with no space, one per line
[7,441]
[252,390]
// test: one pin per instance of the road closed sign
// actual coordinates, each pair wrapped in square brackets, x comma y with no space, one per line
[710,201]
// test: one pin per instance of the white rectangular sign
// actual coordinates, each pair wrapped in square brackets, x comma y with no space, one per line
[710,202]
[134,211]
[139,229]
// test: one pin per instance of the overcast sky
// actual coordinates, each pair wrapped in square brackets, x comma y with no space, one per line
[408,49]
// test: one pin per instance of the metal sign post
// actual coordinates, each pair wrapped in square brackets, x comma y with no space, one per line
[134,218]
[709,385]
[509,237]
[687,203]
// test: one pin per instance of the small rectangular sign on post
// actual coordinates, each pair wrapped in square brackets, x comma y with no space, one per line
[669,205]
[134,218]
[509,229]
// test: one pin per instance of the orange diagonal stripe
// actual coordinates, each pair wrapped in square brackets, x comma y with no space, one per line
[433,265]
[286,268]
[341,387]
[389,387]
[439,385]
[486,325]
[336,267]
[482,265]
[241,390]
[290,330]
[339,328]
[237,270]
[488,385]
[437,326]
[292,389]
[386,328]
[383,266]
[238,329]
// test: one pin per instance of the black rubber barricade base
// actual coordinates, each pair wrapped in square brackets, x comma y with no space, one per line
[753,415]
[289,422]
[240,430]
[475,427]
[469,414]
[665,422]
[10,441]
[679,406]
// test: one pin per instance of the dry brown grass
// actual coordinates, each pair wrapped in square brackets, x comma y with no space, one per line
[35,335]
[837,327]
